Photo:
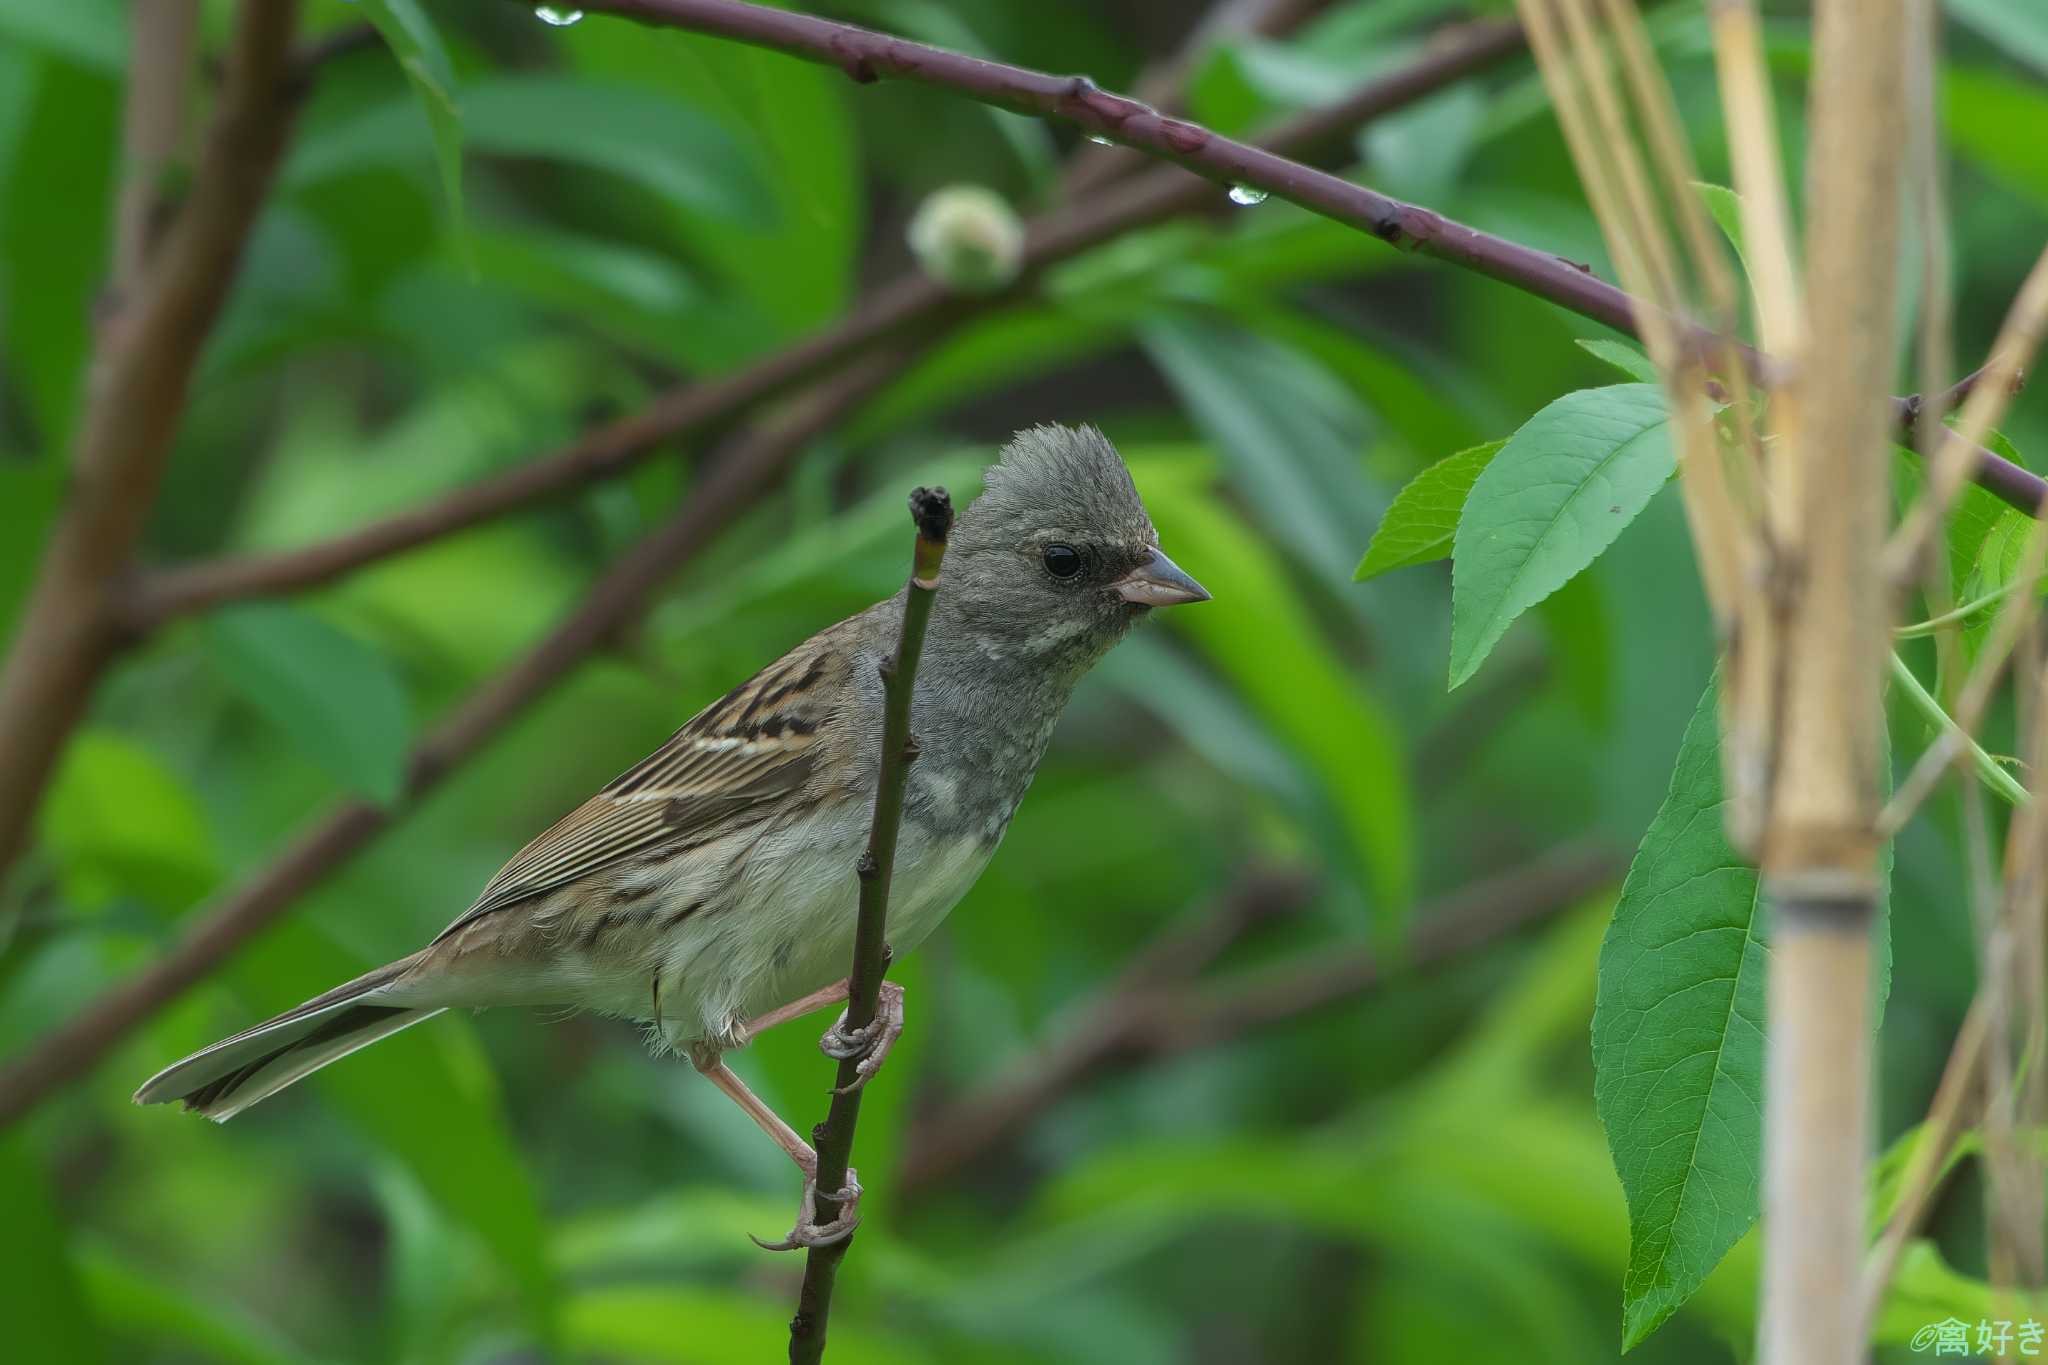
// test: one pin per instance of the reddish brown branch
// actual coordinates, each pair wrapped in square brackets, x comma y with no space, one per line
[869,56]
[732,485]
[1152,1013]
[1094,165]
[908,304]
[71,626]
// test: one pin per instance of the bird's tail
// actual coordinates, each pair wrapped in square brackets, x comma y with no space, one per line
[223,1080]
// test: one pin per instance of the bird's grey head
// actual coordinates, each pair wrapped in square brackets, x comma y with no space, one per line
[1057,559]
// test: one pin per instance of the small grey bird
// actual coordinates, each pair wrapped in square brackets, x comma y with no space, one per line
[710,891]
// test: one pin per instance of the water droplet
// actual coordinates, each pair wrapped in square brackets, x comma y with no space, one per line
[1247,195]
[1099,140]
[556,15]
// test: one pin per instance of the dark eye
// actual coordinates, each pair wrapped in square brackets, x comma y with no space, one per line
[1062,561]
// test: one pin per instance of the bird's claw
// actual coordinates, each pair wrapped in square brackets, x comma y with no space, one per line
[808,1232]
[871,1042]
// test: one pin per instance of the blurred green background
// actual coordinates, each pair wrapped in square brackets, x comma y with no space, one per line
[1413,1172]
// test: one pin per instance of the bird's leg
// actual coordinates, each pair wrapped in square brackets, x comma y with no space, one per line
[807,1232]
[871,1042]
[750,1029]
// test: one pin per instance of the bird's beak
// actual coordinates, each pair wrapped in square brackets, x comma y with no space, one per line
[1159,582]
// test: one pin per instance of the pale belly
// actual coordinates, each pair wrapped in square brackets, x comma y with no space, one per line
[784,930]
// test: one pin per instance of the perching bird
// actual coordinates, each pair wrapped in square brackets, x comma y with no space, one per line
[710,890]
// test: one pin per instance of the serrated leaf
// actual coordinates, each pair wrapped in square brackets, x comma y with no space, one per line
[1623,357]
[1678,1035]
[417,48]
[337,699]
[1423,518]
[1557,494]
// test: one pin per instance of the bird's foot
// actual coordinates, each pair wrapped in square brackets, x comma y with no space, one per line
[870,1043]
[809,1232]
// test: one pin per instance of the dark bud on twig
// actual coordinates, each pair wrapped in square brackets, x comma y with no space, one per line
[933,510]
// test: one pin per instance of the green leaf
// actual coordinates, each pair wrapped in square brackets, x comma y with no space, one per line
[794,120]
[671,149]
[54,228]
[119,823]
[40,1301]
[1258,633]
[1560,491]
[450,1131]
[1292,433]
[139,1307]
[1423,518]
[338,700]
[1724,206]
[1623,357]
[410,35]
[1994,121]
[2018,28]
[1678,1037]
[92,33]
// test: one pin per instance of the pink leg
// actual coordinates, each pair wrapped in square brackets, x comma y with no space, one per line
[807,1232]
[795,1009]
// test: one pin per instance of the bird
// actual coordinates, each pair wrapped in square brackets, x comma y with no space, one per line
[709,892]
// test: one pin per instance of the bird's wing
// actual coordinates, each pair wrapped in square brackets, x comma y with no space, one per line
[756,744]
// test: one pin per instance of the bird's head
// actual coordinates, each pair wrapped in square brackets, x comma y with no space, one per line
[1057,559]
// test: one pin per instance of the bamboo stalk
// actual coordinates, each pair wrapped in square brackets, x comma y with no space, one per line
[1820,848]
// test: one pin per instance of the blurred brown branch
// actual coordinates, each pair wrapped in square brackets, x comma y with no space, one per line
[907,303]
[910,307]
[1153,1011]
[734,481]
[168,296]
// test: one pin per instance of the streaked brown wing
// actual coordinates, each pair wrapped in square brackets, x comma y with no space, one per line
[756,744]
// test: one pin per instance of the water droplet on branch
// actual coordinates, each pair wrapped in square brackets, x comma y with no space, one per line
[1247,195]
[556,15]
[1099,140]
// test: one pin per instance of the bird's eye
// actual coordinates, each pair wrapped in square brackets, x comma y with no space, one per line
[1062,561]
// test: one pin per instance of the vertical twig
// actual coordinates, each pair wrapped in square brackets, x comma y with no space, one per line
[932,510]
[1820,847]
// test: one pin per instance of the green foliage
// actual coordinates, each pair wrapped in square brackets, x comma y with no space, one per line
[491,234]
[1678,1037]
[1286,672]
[416,45]
[1423,518]
[1622,356]
[1558,493]
[338,701]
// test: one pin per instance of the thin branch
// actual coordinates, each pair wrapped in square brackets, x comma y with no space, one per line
[70,627]
[152,126]
[932,511]
[330,840]
[1094,165]
[1989,770]
[866,56]
[1151,1013]
[909,304]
